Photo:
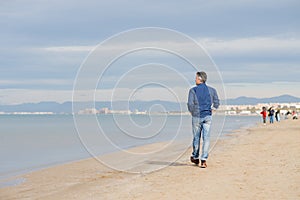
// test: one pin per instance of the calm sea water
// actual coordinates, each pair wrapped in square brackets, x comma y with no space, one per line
[31,142]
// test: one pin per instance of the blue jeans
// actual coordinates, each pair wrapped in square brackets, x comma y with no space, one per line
[201,127]
[272,119]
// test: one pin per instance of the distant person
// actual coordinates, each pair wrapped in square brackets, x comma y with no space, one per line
[294,115]
[271,115]
[287,114]
[201,99]
[264,114]
[277,115]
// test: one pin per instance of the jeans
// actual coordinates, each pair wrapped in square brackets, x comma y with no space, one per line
[201,127]
[272,119]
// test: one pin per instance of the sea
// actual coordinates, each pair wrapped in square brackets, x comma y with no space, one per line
[33,142]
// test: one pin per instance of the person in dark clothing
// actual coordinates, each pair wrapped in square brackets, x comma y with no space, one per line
[271,115]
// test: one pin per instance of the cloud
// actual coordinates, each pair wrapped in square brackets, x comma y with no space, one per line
[262,90]
[69,49]
[58,63]
[36,83]
[252,46]
[249,46]
[43,43]
[78,22]
[18,96]
[256,59]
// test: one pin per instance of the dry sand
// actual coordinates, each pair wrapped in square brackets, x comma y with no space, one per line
[259,163]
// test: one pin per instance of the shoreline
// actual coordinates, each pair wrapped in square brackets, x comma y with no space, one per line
[6,178]
[91,175]
[12,179]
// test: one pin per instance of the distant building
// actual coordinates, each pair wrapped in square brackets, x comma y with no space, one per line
[245,112]
[104,111]
[89,111]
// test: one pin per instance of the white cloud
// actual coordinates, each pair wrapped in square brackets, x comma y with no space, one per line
[215,46]
[86,48]
[251,46]
[261,90]
[18,96]
[38,82]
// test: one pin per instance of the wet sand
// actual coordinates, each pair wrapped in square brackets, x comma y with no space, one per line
[262,162]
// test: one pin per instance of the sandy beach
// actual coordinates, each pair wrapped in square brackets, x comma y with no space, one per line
[262,162]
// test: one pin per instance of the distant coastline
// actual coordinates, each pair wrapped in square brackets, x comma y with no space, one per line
[237,106]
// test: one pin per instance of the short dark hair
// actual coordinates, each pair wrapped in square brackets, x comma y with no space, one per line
[202,75]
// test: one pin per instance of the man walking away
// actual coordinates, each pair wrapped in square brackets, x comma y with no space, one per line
[201,99]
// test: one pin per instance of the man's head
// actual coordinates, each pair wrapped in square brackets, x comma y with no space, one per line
[201,77]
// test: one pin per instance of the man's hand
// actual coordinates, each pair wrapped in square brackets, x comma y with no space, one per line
[213,111]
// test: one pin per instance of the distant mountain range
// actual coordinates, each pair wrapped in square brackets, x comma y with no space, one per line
[135,105]
[254,101]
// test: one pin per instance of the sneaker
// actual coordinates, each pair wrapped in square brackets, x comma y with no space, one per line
[195,161]
[203,164]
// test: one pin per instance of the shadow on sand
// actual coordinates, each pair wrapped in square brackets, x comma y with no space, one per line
[169,163]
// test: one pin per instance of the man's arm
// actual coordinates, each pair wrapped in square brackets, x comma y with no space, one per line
[191,100]
[214,97]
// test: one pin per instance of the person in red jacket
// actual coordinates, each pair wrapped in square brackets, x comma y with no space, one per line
[264,114]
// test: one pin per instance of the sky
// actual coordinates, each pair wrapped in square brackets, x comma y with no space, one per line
[255,45]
